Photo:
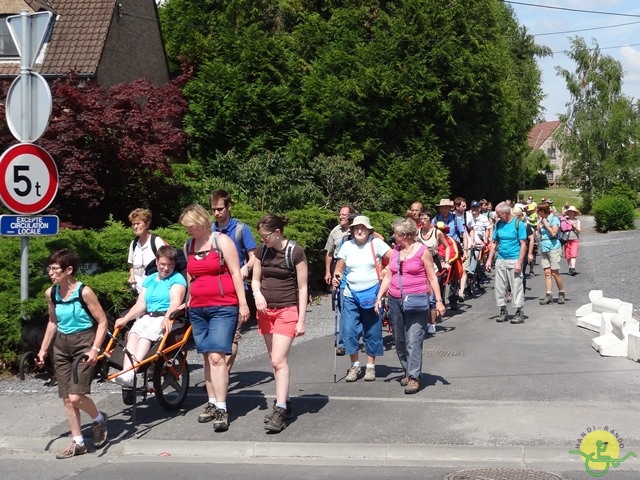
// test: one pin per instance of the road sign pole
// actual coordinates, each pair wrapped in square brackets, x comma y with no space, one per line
[25,68]
[24,269]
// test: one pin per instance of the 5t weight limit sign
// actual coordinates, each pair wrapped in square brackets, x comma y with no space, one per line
[28,179]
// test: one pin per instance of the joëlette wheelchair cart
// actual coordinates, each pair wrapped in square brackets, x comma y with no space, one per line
[165,370]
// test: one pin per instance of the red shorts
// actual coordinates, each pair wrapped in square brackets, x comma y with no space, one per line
[278,320]
[571,249]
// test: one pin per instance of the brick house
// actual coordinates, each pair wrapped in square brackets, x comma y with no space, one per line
[541,137]
[113,41]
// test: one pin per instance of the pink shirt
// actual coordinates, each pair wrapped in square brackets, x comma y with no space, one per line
[414,276]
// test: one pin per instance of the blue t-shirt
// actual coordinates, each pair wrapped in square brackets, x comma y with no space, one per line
[547,242]
[455,224]
[71,316]
[508,239]
[157,295]
[248,242]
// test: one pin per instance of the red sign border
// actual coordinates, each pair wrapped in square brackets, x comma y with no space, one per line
[25,149]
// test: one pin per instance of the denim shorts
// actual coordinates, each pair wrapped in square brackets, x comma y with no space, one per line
[214,328]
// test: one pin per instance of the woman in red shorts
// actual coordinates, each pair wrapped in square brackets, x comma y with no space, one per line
[279,286]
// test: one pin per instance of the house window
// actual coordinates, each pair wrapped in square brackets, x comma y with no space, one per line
[551,153]
[549,174]
[8,48]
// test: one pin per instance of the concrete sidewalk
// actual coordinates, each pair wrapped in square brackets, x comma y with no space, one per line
[493,393]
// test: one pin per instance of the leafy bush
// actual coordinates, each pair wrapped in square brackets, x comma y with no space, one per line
[625,191]
[614,212]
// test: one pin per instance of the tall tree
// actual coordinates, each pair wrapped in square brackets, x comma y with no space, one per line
[600,133]
[383,84]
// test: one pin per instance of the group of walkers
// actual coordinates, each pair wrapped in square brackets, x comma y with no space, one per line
[373,278]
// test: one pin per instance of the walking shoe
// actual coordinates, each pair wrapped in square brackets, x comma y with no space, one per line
[431,328]
[370,374]
[100,431]
[277,422]
[72,450]
[571,271]
[504,315]
[340,351]
[518,317]
[288,411]
[546,300]
[353,374]
[208,414]
[412,387]
[404,381]
[221,422]
[560,298]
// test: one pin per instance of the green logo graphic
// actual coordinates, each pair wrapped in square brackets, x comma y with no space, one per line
[600,450]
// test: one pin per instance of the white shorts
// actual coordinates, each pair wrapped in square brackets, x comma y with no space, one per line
[148,327]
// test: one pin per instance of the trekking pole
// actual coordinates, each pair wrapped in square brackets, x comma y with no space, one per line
[336,331]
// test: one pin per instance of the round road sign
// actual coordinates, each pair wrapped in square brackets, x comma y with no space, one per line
[28,179]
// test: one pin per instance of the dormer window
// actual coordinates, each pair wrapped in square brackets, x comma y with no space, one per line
[8,49]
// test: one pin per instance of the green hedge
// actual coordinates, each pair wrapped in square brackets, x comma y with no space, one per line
[108,248]
[614,212]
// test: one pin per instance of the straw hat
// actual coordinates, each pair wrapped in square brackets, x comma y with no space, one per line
[573,209]
[362,220]
[445,202]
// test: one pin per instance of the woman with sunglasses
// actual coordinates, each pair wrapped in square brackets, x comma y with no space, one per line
[279,285]
[216,302]
[160,294]
[77,326]
[410,272]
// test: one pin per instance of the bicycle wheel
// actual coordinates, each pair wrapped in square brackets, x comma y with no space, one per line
[171,381]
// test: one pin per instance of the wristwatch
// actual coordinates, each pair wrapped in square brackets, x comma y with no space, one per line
[439,300]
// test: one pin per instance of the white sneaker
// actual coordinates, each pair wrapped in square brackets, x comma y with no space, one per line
[431,328]
[125,380]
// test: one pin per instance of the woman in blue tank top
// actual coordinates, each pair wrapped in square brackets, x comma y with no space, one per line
[78,324]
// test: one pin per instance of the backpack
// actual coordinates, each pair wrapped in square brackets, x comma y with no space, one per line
[565,229]
[288,257]
[239,240]
[151,268]
[80,300]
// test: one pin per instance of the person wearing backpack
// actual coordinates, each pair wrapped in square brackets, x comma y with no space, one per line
[78,330]
[243,239]
[216,302]
[508,243]
[142,250]
[550,252]
[279,284]
[572,246]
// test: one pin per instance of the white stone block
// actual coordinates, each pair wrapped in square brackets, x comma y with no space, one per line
[591,321]
[633,346]
[611,305]
[615,343]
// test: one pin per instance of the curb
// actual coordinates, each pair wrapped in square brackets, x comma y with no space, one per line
[555,458]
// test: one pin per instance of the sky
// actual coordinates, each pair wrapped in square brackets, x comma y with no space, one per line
[625,38]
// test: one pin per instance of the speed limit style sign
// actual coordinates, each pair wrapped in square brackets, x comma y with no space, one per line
[28,179]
